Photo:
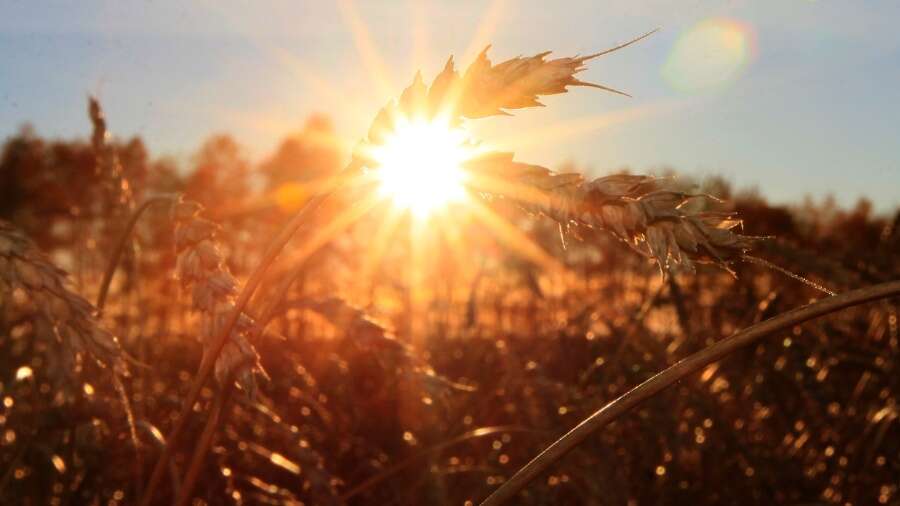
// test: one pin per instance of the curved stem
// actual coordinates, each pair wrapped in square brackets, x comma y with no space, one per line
[157,437]
[206,438]
[206,365]
[120,248]
[679,371]
[403,464]
[343,221]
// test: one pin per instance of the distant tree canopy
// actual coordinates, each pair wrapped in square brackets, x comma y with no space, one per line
[311,154]
[219,171]
[46,182]
[43,181]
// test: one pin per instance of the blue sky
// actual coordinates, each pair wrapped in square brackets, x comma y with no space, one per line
[809,106]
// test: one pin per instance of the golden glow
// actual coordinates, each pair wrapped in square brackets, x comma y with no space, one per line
[58,463]
[420,166]
[24,372]
[291,195]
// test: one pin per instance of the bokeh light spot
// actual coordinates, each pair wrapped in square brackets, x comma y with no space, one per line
[23,373]
[710,55]
[289,196]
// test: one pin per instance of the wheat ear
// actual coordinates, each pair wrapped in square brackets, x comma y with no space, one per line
[655,222]
[107,160]
[201,268]
[207,364]
[485,89]
[30,282]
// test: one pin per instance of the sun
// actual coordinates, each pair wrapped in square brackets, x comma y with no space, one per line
[419,166]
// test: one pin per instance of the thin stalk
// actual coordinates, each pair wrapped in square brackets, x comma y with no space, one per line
[222,397]
[120,248]
[157,437]
[364,205]
[679,371]
[206,439]
[209,359]
[403,464]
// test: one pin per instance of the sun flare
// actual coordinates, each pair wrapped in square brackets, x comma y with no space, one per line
[420,166]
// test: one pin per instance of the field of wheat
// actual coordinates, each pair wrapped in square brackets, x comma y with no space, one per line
[429,320]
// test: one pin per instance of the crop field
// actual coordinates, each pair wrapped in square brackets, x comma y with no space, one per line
[424,317]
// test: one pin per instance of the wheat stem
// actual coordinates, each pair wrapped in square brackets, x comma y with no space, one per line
[679,371]
[120,248]
[403,464]
[206,438]
[319,240]
[208,362]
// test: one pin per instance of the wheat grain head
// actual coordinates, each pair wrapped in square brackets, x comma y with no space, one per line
[485,89]
[655,222]
[31,285]
[200,266]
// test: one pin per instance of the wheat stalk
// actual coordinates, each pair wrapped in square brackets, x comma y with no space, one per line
[218,343]
[201,268]
[656,223]
[31,284]
[668,377]
[107,160]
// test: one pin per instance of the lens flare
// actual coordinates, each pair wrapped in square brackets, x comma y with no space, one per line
[709,55]
[420,166]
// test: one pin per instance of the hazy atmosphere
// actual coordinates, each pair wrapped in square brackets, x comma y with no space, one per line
[796,97]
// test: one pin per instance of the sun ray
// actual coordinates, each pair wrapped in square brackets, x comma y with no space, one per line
[517,240]
[416,291]
[298,70]
[450,230]
[381,240]
[420,45]
[325,233]
[485,183]
[486,28]
[337,100]
[480,39]
[461,251]
[366,48]
[548,135]
[275,127]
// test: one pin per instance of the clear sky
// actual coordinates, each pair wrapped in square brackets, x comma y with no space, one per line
[796,97]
